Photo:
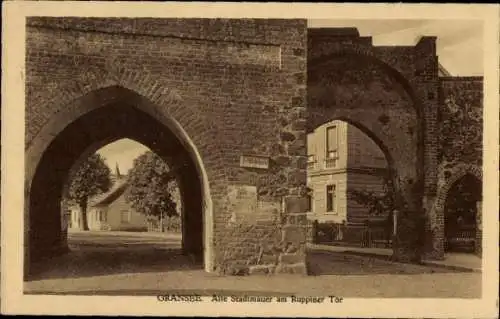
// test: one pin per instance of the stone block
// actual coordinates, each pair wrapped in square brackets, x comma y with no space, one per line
[295,205]
[298,268]
[297,178]
[283,160]
[294,258]
[297,219]
[298,148]
[293,248]
[294,234]
[261,269]
[287,136]
[269,259]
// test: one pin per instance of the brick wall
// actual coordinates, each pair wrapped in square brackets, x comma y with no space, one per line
[234,86]
[370,87]
[460,147]
[363,151]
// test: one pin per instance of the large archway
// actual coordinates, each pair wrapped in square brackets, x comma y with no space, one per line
[360,88]
[376,98]
[99,118]
[460,213]
[449,178]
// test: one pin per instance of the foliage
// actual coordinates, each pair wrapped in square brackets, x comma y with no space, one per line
[172,224]
[91,178]
[377,204]
[461,117]
[151,185]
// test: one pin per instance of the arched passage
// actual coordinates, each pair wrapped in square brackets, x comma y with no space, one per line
[349,170]
[460,213]
[455,181]
[381,102]
[101,117]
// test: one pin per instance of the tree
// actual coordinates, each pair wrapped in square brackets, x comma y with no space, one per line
[378,204]
[91,178]
[151,185]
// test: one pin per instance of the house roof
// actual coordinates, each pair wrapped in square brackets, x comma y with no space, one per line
[442,71]
[107,198]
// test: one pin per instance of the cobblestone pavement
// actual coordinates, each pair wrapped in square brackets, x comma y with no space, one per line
[149,264]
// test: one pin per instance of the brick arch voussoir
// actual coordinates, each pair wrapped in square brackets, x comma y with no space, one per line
[147,86]
[64,98]
[321,117]
[456,173]
[332,50]
[357,50]
[188,117]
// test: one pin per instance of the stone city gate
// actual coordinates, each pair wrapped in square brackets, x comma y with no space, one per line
[421,118]
[229,103]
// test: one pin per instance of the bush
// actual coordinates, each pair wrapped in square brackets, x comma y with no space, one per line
[172,224]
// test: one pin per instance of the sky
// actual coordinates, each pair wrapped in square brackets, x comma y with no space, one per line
[122,153]
[459,48]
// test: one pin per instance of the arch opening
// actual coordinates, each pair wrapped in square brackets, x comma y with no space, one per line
[52,160]
[378,100]
[461,207]
[350,181]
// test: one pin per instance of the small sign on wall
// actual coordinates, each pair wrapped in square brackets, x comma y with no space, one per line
[246,208]
[252,161]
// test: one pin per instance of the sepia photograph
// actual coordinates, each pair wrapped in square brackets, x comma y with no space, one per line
[255,161]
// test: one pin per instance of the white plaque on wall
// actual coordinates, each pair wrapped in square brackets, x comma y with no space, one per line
[252,161]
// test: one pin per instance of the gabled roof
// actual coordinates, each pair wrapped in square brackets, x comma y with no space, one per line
[442,71]
[110,196]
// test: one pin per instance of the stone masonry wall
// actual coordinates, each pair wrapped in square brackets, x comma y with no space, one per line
[244,80]
[389,92]
[460,145]
[361,91]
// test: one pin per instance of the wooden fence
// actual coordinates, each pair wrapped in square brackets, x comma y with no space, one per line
[360,235]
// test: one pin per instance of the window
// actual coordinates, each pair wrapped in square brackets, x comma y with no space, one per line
[311,160]
[102,216]
[331,147]
[330,198]
[309,198]
[125,216]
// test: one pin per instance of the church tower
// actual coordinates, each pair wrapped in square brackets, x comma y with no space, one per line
[117,172]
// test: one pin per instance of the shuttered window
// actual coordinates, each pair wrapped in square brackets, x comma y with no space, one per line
[330,198]
[331,141]
[125,216]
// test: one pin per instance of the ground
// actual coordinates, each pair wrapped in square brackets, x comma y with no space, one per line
[120,263]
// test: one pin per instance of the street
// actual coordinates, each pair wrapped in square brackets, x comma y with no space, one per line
[120,263]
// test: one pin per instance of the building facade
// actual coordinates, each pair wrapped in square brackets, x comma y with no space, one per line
[341,159]
[110,212]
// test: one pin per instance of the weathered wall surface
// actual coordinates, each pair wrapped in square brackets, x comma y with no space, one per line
[351,80]
[460,145]
[461,118]
[238,87]
[395,96]
[362,150]
[235,87]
